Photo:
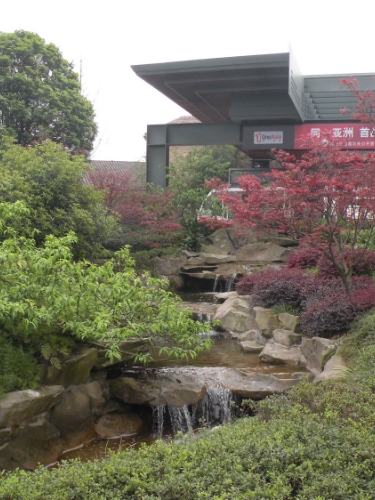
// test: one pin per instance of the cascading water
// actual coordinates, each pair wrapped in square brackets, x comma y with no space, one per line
[230,283]
[216,407]
[213,410]
[216,282]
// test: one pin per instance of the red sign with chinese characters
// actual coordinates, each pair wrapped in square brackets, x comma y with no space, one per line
[348,135]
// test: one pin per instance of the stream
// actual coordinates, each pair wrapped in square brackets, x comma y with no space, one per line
[225,352]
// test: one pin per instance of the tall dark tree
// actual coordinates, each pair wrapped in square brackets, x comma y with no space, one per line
[40,95]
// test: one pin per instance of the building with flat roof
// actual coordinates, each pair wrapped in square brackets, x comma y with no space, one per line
[255,103]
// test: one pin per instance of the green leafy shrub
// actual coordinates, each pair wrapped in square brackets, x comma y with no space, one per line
[317,442]
[46,296]
[18,369]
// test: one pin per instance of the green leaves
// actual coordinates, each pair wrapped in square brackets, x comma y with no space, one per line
[45,296]
[40,94]
[49,181]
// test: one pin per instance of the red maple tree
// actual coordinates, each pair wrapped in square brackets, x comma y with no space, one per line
[146,213]
[325,199]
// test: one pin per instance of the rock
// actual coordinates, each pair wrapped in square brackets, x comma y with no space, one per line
[168,388]
[290,322]
[169,266]
[242,237]
[222,239]
[189,254]
[213,250]
[304,376]
[223,296]
[277,354]
[118,424]
[334,368]
[75,370]
[317,351]
[235,315]
[286,338]
[15,407]
[252,336]
[262,252]
[73,416]
[265,320]
[195,261]
[128,348]
[251,347]
[36,441]
[217,258]
[187,386]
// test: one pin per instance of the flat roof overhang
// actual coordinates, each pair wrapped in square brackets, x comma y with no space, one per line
[235,98]
[258,89]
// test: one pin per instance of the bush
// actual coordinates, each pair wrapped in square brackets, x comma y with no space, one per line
[326,310]
[18,369]
[306,258]
[269,288]
[364,263]
[315,443]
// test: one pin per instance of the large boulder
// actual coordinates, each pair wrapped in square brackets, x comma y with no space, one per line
[118,424]
[34,442]
[213,255]
[73,416]
[75,369]
[166,388]
[127,349]
[169,265]
[235,315]
[276,354]
[178,387]
[334,368]
[15,407]
[286,338]
[290,321]
[317,352]
[263,252]
[222,239]
[266,320]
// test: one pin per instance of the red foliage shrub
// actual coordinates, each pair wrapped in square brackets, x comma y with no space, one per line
[326,310]
[272,287]
[364,263]
[333,314]
[306,258]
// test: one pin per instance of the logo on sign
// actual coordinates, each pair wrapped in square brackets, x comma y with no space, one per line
[266,137]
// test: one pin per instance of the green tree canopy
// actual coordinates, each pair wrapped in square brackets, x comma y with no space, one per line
[46,297]
[40,94]
[49,180]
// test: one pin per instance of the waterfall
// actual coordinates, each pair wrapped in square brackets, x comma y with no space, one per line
[230,283]
[213,410]
[216,282]
[180,419]
[158,420]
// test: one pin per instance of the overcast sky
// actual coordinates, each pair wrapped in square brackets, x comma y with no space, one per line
[327,37]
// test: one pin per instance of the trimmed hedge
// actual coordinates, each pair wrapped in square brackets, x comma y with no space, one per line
[316,443]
